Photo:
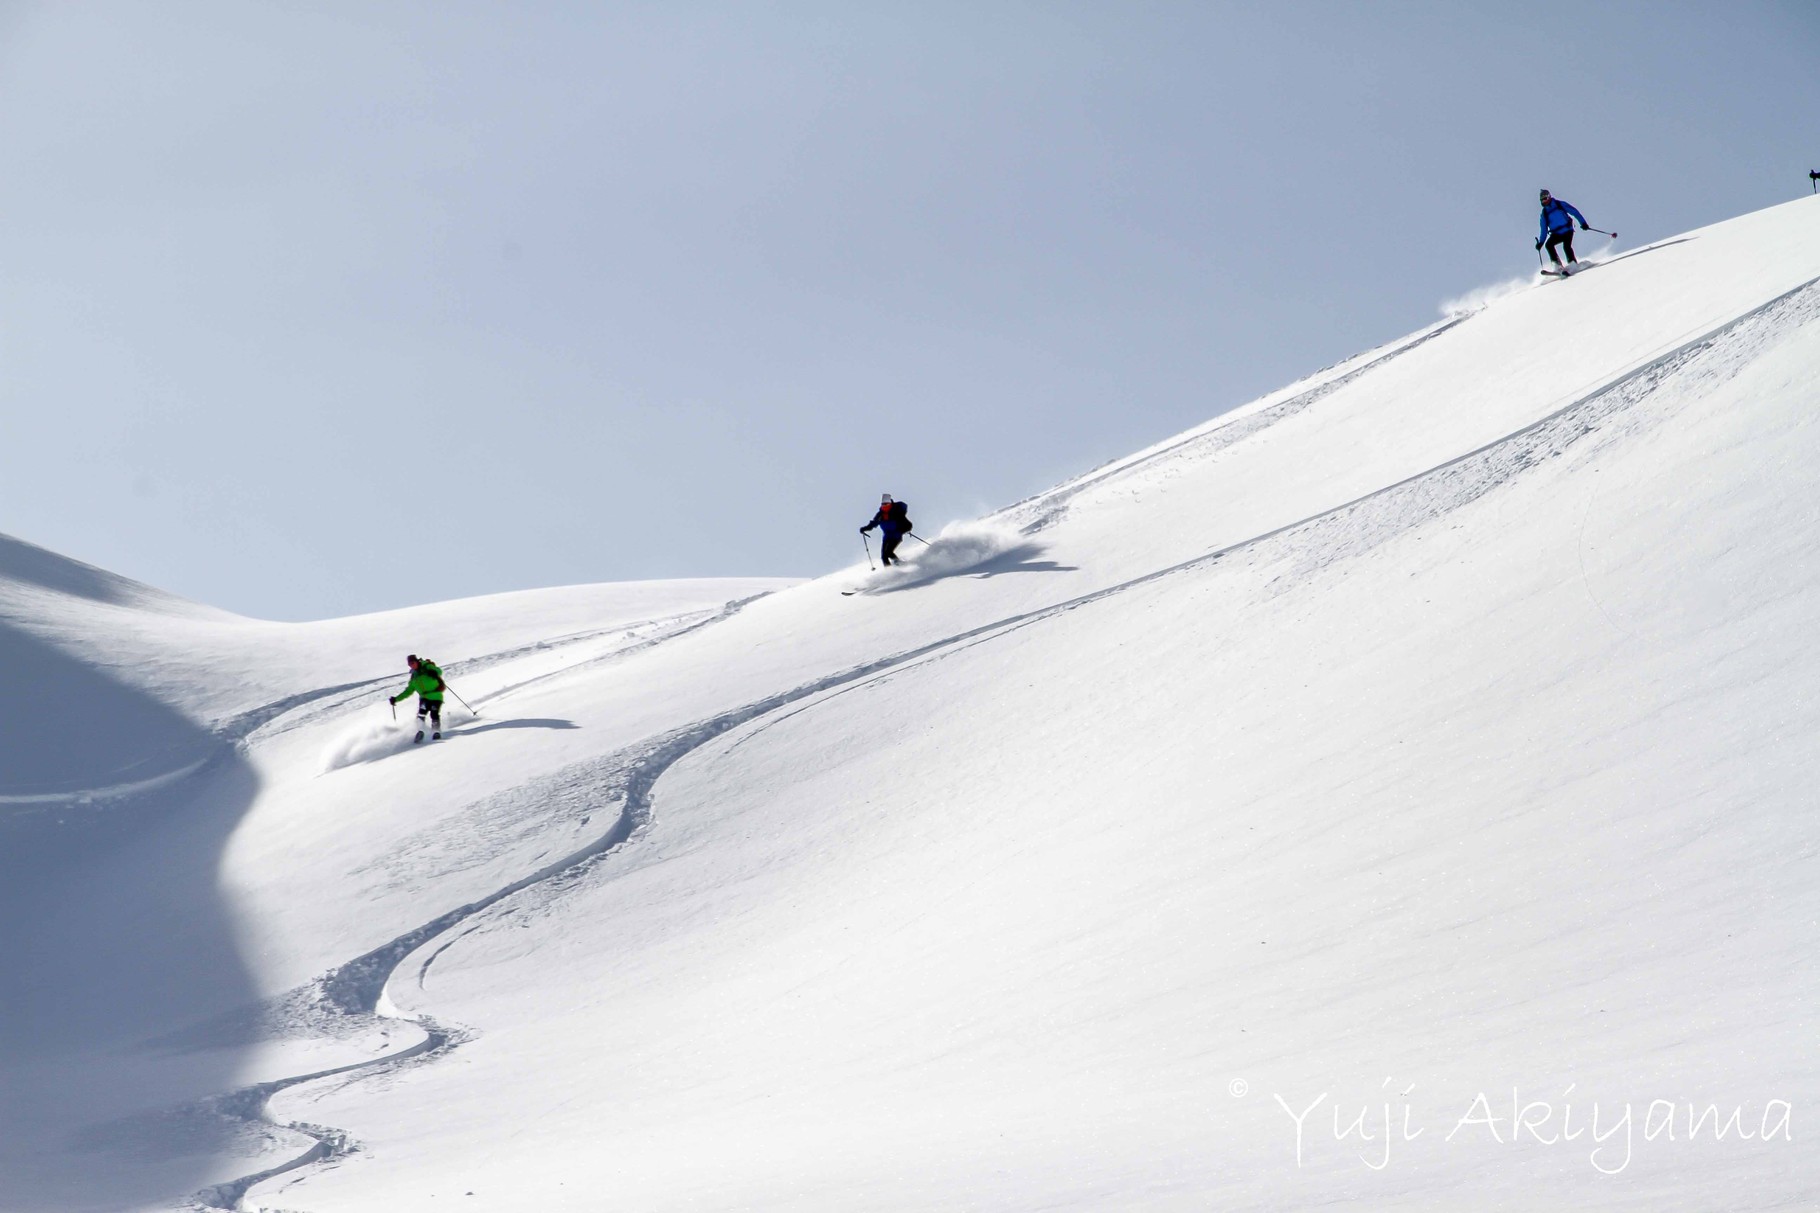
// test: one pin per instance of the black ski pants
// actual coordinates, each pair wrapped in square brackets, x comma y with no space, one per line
[1565,239]
[431,708]
[887,552]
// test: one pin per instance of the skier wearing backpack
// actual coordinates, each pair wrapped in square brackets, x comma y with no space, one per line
[426,683]
[1557,228]
[893,521]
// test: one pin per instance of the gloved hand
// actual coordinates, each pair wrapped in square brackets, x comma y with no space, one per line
[1538,244]
[1583,227]
[393,700]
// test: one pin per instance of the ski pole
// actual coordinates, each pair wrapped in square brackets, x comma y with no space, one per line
[458,699]
[921,540]
[867,540]
[394,704]
[1603,232]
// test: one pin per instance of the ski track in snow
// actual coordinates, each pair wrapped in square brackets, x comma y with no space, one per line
[1361,525]
[1054,503]
[230,733]
[354,990]
[369,741]
[682,625]
[309,707]
[112,791]
[248,1105]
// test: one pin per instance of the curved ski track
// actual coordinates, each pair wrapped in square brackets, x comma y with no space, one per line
[354,988]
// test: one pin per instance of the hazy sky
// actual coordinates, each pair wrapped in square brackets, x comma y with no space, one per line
[315,308]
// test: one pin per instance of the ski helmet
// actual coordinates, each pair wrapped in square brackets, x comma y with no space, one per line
[411,660]
[1546,195]
[885,500]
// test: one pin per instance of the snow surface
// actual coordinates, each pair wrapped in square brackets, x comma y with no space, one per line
[1424,747]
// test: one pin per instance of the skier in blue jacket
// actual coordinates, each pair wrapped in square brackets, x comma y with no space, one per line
[893,519]
[1558,219]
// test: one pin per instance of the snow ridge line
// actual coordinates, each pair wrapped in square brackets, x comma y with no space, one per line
[1626,389]
[1444,485]
[1221,436]
[354,989]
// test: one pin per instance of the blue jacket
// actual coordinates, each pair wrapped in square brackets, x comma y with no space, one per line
[893,519]
[1555,217]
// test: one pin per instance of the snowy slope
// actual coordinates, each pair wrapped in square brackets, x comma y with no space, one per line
[1435,727]
[131,720]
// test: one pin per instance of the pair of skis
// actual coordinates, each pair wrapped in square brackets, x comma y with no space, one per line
[1568,271]
[848,593]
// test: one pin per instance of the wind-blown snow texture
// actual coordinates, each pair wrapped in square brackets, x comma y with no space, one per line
[1391,794]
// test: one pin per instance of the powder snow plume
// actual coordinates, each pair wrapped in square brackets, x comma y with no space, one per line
[961,547]
[1484,296]
[367,741]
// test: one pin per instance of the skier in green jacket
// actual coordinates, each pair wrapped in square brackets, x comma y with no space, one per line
[426,683]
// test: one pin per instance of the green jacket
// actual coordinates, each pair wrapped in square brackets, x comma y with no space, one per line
[426,681]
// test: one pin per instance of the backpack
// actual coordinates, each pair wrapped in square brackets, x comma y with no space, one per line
[900,513]
[426,666]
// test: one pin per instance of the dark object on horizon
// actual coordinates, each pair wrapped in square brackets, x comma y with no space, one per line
[1814,177]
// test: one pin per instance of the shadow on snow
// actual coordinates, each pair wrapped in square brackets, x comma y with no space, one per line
[116,934]
[942,562]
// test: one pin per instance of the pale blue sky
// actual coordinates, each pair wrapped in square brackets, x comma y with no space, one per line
[314,308]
